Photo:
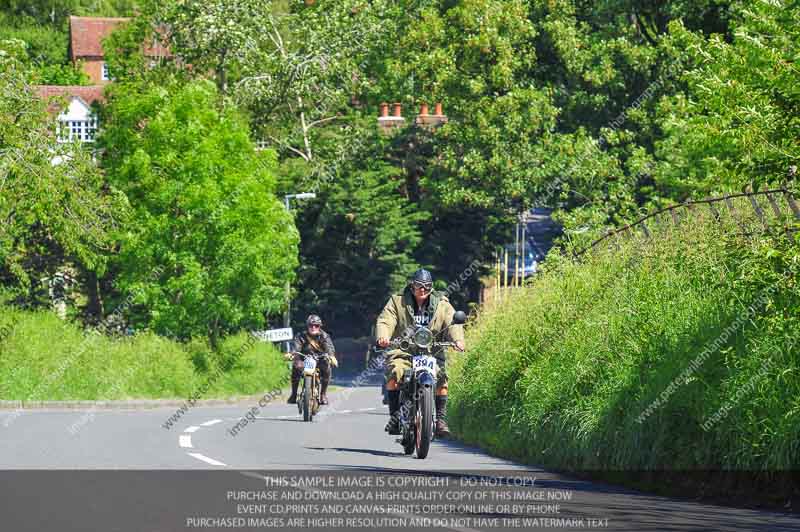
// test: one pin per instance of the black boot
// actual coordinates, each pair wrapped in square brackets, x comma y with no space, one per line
[293,398]
[393,426]
[442,430]
[323,396]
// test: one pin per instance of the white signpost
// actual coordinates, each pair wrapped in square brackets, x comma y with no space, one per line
[274,335]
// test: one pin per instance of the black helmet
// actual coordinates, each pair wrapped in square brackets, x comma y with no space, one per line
[313,319]
[422,277]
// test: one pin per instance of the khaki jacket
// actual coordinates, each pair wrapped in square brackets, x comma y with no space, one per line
[398,314]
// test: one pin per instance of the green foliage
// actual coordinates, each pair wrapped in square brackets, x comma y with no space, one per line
[61,75]
[56,12]
[43,26]
[217,36]
[550,103]
[44,44]
[53,203]
[209,247]
[739,122]
[586,369]
[358,237]
[310,66]
[124,54]
[89,366]
[249,370]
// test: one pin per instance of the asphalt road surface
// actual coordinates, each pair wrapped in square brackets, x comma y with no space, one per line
[123,470]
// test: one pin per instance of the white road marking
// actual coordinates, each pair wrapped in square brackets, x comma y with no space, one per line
[212,422]
[206,459]
[345,411]
[366,409]
[185,440]
[191,429]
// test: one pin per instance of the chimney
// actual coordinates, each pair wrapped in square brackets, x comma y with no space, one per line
[389,123]
[436,119]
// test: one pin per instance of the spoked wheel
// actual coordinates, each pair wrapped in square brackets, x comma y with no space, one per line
[423,422]
[308,393]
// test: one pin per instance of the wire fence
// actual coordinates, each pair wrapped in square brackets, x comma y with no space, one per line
[752,213]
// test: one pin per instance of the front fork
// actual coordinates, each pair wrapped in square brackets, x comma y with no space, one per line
[409,399]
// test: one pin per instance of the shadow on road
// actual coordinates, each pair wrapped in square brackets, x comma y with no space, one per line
[373,452]
[291,419]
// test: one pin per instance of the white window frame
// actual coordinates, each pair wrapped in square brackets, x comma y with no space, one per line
[81,130]
[104,75]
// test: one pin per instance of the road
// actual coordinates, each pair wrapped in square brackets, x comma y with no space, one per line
[122,470]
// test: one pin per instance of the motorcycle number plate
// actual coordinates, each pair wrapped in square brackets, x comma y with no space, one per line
[310,364]
[423,362]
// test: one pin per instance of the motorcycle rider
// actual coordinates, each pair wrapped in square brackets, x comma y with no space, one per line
[420,305]
[313,341]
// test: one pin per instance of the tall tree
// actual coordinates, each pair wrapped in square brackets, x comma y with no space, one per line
[210,247]
[53,204]
[739,122]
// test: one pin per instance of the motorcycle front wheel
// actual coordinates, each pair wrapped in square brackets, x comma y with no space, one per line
[308,393]
[423,421]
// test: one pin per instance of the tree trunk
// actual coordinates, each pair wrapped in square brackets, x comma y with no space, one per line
[213,336]
[95,303]
[304,125]
[222,74]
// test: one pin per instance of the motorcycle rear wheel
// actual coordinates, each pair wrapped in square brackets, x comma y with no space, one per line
[424,422]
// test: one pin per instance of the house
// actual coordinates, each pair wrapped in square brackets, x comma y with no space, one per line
[78,119]
[86,36]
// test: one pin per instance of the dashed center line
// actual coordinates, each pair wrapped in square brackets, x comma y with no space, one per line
[206,459]
[185,439]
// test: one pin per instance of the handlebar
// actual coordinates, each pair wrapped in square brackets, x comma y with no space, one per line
[304,355]
[396,343]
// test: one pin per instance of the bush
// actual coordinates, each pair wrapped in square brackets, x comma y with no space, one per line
[643,357]
[44,358]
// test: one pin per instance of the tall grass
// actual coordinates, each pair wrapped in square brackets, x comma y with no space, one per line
[562,372]
[44,358]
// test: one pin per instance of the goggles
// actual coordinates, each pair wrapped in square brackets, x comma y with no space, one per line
[427,287]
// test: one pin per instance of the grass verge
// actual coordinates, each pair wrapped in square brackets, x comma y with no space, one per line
[44,358]
[676,355]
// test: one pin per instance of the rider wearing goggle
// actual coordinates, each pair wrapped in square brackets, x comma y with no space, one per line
[419,305]
[313,341]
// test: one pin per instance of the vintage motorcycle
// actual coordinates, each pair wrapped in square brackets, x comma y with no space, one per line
[308,402]
[417,406]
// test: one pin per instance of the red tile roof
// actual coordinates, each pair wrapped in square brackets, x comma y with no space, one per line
[87,34]
[89,94]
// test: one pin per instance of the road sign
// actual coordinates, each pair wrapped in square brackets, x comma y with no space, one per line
[274,335]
